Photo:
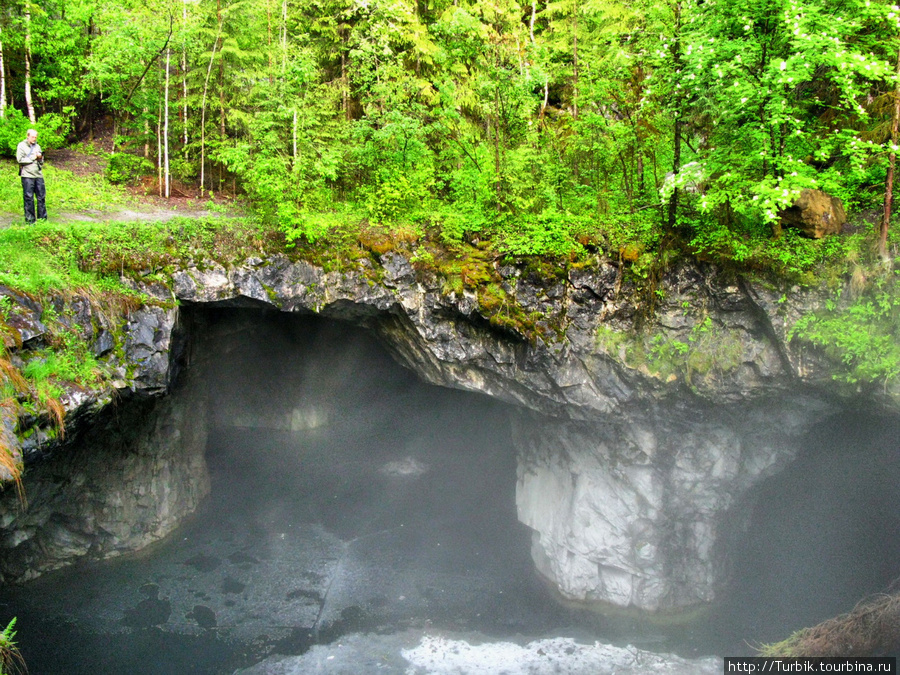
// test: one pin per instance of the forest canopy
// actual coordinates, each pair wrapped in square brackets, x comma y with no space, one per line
[548,123]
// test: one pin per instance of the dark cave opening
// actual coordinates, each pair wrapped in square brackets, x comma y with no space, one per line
[349,496]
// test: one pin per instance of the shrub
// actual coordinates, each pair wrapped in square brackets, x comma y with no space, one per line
[126,168]
[183,169]
[52,130]
[12,131]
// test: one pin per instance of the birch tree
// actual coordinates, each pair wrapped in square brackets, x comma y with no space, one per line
[29,104]
[2,79]
[167,177]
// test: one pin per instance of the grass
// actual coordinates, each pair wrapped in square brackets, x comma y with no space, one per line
[66,191]
[92,256]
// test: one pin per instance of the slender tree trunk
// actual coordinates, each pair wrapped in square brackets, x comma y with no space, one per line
[295,137]
[221,106]
[531,22]
[676,152]
[168,177]
[212,59]
[497,163]
[522,64]
[284,41]
[221,99]
[889,182]
[29,104]
[345,97]
[642,188]
[534,46]
[147,132]
[626,182]
[575,163]
[159,169]
[575,63]
[184,70]
[269,57]
[2,84]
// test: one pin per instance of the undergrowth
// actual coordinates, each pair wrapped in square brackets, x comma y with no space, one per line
[87,255]
[66,191]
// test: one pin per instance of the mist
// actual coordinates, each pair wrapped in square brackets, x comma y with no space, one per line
[821,535]
[350,497]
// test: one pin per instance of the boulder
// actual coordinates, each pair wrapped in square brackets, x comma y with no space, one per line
[815,213]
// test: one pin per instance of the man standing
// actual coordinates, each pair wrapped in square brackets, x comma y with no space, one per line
[31,164]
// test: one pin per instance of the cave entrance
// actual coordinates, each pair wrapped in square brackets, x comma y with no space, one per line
[347,496]
[361,495]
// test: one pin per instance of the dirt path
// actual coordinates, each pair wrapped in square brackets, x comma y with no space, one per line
[146,206]
[140,212]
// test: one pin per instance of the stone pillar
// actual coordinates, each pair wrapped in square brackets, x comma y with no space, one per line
[628,513]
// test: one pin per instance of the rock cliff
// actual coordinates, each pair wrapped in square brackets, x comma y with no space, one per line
[633,444]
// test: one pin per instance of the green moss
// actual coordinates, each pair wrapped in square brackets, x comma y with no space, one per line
[706,349]
[492,298]
[271,294]
[453,284]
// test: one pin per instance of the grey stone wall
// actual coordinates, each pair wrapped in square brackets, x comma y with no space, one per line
[633,445]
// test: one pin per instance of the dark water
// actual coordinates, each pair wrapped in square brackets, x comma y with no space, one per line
[348,496]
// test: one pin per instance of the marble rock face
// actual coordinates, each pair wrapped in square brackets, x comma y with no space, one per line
[629,513]
[628,465]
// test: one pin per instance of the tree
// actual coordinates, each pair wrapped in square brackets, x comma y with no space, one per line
[782,84]
[892,160]
[2,79]
[29,103]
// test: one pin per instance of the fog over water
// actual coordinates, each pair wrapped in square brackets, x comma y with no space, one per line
[820,535]
[349,497]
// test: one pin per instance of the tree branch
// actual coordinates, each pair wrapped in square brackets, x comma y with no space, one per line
[149,64]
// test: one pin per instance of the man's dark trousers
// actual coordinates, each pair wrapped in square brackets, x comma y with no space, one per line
[31,188]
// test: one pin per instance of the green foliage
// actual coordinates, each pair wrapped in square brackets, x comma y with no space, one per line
[10,660]
[780,86]
[52,130]
[393,154]
[862,334]
[93,256]
[12,131]
[550,234]
[314,227]
[65,191]
[68,360]
[61,365]
[123,167]
[537,124]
